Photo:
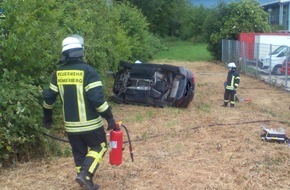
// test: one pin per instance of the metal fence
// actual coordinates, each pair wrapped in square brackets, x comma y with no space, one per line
[264,61]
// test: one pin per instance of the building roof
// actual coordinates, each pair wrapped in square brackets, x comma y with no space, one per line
[275,2]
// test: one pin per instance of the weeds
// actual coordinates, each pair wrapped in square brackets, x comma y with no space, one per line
[184,51]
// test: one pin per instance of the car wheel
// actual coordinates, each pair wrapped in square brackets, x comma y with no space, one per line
[116,99]
[277,70]
[260,64]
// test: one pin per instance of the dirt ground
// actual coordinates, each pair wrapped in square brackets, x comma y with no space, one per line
[204,147]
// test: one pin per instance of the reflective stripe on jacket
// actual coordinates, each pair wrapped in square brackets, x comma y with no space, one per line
[233,80]
[81,93]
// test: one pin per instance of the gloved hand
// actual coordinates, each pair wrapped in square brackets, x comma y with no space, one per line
[111,124]
[47,118]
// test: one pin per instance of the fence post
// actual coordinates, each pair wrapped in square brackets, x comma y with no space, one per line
[257,58]
[222,50]
[229,48]
[270,73]
[237,51]
[286,70]
[244,57]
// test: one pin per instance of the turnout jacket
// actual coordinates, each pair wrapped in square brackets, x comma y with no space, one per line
[233,80]
[81,94]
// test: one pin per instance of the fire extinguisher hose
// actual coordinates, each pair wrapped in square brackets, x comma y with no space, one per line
[130,144]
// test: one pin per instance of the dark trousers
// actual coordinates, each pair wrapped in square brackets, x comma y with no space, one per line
[88,149]
[229,96]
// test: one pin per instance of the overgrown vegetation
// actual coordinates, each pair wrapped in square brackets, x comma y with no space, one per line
[19,117]
[31,32]
[176,18]
[31,35]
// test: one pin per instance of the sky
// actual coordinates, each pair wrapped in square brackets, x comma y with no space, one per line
[212,3]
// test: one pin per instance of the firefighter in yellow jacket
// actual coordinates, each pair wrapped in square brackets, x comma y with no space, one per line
[84,106]
[231,85]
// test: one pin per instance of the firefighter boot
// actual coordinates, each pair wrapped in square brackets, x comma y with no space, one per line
[225,104]
[84,178]
[232,105]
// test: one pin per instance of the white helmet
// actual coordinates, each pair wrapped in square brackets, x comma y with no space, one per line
[138,62]
[72,42]
[80,38]
[231,65]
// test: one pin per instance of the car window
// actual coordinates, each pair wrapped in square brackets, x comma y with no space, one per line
[279,49]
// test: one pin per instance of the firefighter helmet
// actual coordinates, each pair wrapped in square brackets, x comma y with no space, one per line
[80,38]
[72,42]
[231,65]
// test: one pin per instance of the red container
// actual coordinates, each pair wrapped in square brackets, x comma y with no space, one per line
[248,39]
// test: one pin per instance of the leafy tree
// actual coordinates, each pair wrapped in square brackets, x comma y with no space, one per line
[33,29]
[191,26]
[143,43]
[227,21]
[212,24]
[163,15]
[105,40]
[112,33]
[28,35]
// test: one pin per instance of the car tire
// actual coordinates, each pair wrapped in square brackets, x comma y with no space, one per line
[260,64]
[277,70]
[116,99]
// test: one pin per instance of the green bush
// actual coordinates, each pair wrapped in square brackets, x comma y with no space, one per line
[143,44]
[31,34]
[32,31]
[30,37]
[19,117]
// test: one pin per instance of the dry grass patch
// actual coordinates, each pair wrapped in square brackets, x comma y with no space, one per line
[203,147]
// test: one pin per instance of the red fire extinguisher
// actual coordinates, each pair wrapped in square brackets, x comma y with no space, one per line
[116,144]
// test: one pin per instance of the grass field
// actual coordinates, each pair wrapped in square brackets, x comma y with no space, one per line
[184,51]
[203,147]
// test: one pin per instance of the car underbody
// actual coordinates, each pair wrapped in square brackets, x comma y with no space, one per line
[153,84]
